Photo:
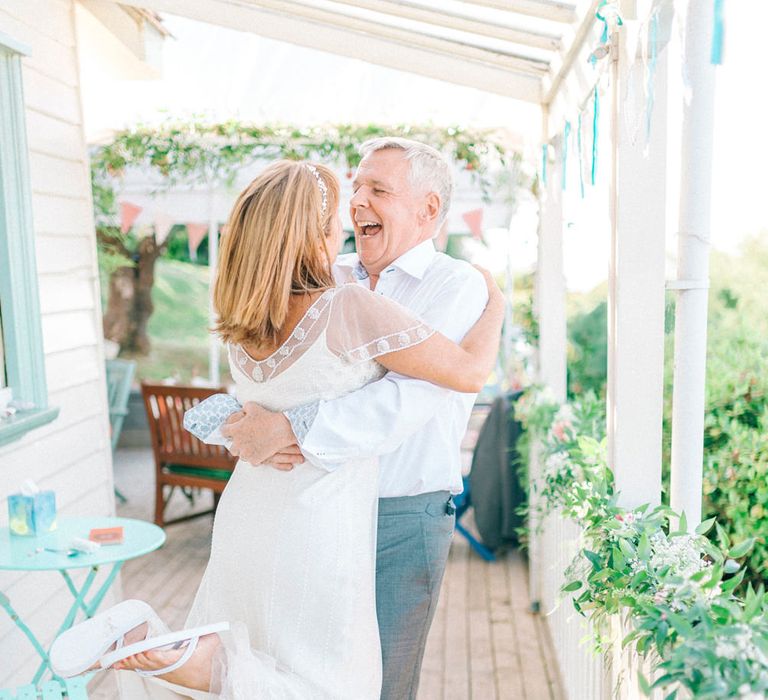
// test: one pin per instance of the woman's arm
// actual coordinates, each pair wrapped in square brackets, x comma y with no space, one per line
[464,367]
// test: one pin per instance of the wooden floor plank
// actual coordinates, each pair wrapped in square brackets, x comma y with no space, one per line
[483,643]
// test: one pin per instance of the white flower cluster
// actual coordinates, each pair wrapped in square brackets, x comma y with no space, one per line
[681,554]
[741,646]
[556,463]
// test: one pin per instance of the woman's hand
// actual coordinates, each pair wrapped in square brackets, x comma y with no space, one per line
[495,295]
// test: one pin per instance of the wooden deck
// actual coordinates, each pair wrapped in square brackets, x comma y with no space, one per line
[483,645]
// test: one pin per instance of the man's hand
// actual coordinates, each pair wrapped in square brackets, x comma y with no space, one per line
[258,436]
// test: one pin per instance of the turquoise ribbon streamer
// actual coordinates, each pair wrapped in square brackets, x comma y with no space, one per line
[581,162]
[604,35]
[595,113]
[717,34]
[544,163]
[566,135]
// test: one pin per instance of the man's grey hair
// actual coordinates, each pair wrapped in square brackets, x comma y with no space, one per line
[429,170]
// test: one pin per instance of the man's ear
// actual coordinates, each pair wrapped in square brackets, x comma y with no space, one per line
[431,208]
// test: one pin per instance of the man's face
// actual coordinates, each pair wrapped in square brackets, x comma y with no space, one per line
[389,217]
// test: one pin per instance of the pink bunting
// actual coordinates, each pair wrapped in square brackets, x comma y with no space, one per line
[163,225]
[128,215]
[196,233]
[474,219]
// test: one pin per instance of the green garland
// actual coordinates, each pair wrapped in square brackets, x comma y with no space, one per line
[676,589]
[202,152]
[198,152]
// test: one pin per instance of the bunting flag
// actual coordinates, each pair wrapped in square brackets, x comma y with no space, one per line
[128,215]
[195,233]
[474,219]
[163,225]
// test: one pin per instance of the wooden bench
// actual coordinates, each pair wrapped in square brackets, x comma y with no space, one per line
[180,458]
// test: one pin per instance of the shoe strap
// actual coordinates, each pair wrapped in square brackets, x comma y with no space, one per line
[176,664]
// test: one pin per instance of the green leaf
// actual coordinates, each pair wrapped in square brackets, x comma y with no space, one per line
[705,526]
[742,549]
[572,586]
[731,583]
[594,558]
[642,681]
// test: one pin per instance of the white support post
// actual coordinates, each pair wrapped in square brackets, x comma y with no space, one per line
[214,345]
[549,309]
[550,285]
[693,267]
[636,282]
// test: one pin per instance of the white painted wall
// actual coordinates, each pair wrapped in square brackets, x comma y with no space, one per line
[72,454]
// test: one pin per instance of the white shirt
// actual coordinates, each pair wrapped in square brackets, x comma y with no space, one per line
[415,426]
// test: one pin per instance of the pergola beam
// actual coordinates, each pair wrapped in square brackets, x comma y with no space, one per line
[451,20]
[403,54]
[507,60]
[543,9]
[573,45]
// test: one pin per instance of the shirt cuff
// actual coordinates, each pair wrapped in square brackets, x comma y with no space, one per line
[301,419]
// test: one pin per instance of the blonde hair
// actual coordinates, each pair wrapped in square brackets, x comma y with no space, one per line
[275,245]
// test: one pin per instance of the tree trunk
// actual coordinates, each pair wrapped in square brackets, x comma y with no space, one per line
[130,300]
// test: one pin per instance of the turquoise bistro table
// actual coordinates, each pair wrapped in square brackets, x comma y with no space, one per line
[33,554]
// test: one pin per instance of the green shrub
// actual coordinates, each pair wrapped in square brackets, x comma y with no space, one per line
[736,409]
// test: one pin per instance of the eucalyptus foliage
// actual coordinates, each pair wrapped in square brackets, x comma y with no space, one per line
[677,589]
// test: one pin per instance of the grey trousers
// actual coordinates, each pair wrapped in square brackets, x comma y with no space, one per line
[414,536]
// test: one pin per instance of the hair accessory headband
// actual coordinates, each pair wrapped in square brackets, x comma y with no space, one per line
[321,184]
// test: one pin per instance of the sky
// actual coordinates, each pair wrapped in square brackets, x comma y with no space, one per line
[221,73]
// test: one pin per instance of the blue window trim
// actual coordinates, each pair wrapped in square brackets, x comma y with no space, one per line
[23,338]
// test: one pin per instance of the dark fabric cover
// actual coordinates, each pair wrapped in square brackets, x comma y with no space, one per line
[495,483]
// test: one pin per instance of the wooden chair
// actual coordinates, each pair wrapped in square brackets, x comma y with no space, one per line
[119,377]
[180,458]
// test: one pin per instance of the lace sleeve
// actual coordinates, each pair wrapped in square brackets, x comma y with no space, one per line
[363,325]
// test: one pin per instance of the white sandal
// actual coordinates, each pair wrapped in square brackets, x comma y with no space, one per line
[81,647]
[174,640]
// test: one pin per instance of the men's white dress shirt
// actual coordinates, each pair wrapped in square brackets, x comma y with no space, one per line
[416,426]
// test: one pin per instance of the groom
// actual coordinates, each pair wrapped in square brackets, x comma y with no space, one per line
[402,193]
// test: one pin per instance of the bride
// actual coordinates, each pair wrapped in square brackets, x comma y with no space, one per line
[292,564]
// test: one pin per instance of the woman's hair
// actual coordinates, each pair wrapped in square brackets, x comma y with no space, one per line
[275,244]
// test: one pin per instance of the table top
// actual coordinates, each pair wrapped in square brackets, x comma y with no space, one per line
[29,553]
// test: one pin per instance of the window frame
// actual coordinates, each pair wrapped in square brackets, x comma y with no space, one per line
[22,330]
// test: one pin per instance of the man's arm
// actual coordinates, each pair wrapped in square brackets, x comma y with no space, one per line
[379,417]
[373,420]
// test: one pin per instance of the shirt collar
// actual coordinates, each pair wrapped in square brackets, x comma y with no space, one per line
[413,262]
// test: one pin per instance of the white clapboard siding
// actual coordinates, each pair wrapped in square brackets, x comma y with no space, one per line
[72,454]
[52,136]
[54,175]
[49,96]
[65,292]
[50,18]
[51,56]
[60,216]
[63,254]
[71,368]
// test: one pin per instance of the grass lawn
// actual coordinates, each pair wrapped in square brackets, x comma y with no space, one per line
[178,327]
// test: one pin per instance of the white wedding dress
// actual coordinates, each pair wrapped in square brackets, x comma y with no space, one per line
[293,555]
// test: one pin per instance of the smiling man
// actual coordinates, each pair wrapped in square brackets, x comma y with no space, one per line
[402,193]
